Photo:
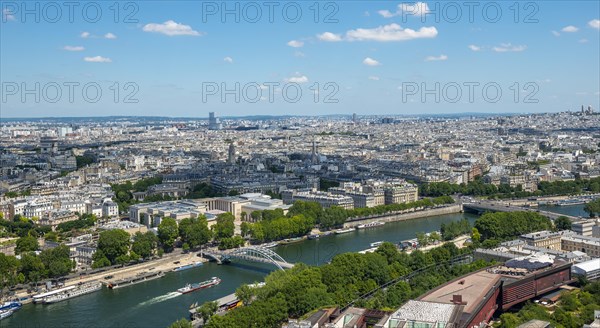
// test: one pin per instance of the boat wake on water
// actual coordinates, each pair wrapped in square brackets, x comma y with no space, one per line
[160,298]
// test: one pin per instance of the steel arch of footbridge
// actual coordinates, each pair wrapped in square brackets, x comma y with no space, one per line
[253,253]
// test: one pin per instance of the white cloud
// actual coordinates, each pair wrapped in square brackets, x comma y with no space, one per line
[474,47]
[329,37]
[371,62]
[373,78]
[228,59]
[7,15]
[85,35]
[555,33]
[436,58]
[507,47]
[416,9]
[594,23]
[386,13]
[570,29]
[297,79]
[299,54]
[73,48]
[583,41]
[295,44]
[110,36]
[171,28]
[391,32]
[97,59]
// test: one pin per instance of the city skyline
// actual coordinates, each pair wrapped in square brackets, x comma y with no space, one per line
[357,58]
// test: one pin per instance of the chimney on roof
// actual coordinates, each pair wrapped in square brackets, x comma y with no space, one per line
[457,299]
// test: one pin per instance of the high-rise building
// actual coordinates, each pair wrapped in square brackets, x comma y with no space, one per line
[231,154]
[314,158]
[213,122]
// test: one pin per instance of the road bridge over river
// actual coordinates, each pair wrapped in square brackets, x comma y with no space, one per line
[491,206]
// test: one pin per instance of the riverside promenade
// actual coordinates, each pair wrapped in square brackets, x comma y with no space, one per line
[406,215]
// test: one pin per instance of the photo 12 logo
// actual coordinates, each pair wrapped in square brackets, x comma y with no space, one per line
[54,92]
[69,11]
[253,92]
[471,92]
[466,11]
[269,11]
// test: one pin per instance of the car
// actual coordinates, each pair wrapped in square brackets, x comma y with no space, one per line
[176,262]
[108,277]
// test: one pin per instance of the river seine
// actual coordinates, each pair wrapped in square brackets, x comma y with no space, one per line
[157,304]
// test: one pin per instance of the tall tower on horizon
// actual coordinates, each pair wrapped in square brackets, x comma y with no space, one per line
[213,122]
[231,154]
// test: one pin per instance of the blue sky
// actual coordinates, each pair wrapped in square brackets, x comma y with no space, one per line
[367,56]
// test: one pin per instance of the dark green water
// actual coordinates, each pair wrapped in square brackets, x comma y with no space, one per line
[574,210]
[156,304]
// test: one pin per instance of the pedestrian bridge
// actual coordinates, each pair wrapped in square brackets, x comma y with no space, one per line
[252,254]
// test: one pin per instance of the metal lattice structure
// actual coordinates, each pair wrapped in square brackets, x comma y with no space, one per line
[253,254]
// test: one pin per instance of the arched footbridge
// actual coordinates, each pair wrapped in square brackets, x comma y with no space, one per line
[252,254]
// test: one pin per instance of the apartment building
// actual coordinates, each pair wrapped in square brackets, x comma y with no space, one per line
[326,199]
[585,244]
[543,239]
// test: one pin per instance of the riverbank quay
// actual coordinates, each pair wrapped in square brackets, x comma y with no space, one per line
[459,242]
[406,215]
[165,264]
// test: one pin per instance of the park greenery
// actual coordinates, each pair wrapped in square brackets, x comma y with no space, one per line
[124,191]
[479,188]
[85,221]
[302,216]
[562,223]
[302,289]
[494,228]
[574,309]
[454,229]
[202,190]
[593,208]
[32,268]
[84,161]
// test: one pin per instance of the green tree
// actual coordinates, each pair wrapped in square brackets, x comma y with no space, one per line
[144,244]
[57,261]
[245,228]
[99,260]
[9,266]
[475,235]
[26,244]
[207,310]
[593,208]
[256,216]
[167,233]
[51,236]
[422,239]
[114,244]
[562,223]
[509,320]
[195,231]
[225,227]
[181,323]
[245,294]
[32,267]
